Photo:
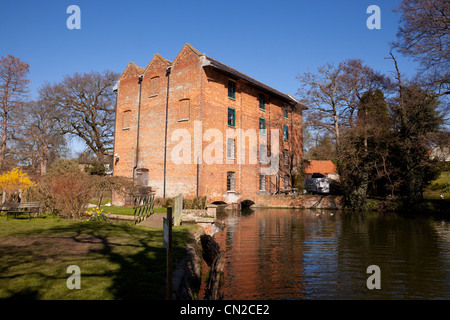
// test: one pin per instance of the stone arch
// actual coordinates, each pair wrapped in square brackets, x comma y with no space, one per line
[247,203]
[218,202]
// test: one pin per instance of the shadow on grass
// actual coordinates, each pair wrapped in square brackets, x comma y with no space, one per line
[26,294]
[129,260]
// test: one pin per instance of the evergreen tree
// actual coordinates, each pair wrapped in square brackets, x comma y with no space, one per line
[364,149]
[416,120]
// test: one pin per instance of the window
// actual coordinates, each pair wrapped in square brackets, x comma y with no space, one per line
[262,126]
[231,117]
[262,182]
[142,177]
[285,113]
[183,109]
[231,147]
[154,86]
[262,102]
[232,89]
[230,181]
[286,182]
[286,157]
[126,121]
[263,153]
[285,132]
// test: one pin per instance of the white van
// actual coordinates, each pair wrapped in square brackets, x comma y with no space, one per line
[317,185]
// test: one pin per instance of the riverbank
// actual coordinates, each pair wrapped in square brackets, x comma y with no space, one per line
[336,202]
[199,275]
[198,272]
[299,201]
[427,206]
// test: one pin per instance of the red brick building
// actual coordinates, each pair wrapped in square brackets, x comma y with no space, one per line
[181,126]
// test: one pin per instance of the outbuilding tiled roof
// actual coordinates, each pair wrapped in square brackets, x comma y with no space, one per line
[321,166]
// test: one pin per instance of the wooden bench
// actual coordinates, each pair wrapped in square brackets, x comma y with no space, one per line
[32,208]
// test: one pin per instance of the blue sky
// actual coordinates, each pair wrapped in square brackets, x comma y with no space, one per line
[271,41]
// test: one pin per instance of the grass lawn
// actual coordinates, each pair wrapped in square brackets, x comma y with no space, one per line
[129,211]
[438,187]
[117,260]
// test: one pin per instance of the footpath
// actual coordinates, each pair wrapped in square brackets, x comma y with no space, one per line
[154,221]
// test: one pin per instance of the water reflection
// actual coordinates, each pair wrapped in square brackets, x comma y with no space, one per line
[322,254]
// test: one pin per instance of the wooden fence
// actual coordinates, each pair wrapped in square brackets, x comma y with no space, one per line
[143,206]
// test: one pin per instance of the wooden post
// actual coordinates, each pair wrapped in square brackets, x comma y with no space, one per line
[168,244]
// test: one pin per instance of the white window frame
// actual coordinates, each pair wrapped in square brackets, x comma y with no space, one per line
[231,149]
[232,183]
[262,182]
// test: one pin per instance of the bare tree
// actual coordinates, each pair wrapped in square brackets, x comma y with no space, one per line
[13,89]
[356,80]
[323,148]
[333,94]
[424,35]
[87,101]
[320,93]
[39,138]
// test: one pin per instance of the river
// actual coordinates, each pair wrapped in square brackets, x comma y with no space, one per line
[274,254]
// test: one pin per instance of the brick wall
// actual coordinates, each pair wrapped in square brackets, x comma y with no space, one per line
[196,95]
[302,201]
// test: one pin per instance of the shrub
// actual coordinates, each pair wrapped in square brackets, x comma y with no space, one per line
[62,166]
[70,193]
[67,189]
[165,203]
[371,204]
[196,203]
[40,193]
[13,181]
[96,168]
[336,187]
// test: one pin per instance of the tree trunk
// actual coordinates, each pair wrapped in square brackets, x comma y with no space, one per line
[3,143]
[43,161]
[43,167]
[357,198]
[336,129]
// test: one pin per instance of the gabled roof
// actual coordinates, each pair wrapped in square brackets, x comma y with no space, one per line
[212,63]
[132,70]
[320,166]
[189,46]
[164,60]
[206,61]
[157,56]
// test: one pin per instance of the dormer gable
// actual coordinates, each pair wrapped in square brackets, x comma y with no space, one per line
[186,51]
[132,70]
[157,62]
